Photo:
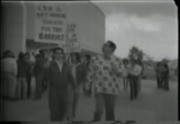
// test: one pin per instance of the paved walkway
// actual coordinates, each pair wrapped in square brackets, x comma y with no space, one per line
[152,105]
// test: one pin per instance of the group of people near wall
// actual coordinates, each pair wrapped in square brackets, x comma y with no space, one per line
[67,76]
[23,78]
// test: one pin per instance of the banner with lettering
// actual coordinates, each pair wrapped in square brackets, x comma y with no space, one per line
[50,24]
[72,42]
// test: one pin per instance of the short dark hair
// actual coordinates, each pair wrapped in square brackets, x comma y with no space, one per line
[20,55]
[112,45]
[77,56]
[134,60]
[58,48]
[27,54]
[38,56]
[8,53]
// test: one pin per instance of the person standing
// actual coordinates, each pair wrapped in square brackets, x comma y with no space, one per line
[158,70]
[140,63]
[9,73]
[102,77]
[125,73]
[23,71]
[58,79]
[165,78]
[39,75]
[134,72]
[73,86]
[30,77]
[85,61]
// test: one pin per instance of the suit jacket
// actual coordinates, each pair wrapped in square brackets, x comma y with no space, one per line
[58,80]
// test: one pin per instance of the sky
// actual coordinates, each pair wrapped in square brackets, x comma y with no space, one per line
[152,26]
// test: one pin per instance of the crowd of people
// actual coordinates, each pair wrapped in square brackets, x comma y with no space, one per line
[65,77]
[23,78]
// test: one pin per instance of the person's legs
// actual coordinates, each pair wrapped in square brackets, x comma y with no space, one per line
[136,86]
[139,84]
[29,85]
[24,85]
[70,98]
[33,87]
[5,85]
[38,86]
[75,102]
[126,83]
[161,82]
[110,106]
[131,88]
[166,83]
[62,104]
[53,104]
[19,88]
[158,81]
[12,82]
[99,104]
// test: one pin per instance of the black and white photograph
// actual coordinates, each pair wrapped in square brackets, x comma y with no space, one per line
[89,62]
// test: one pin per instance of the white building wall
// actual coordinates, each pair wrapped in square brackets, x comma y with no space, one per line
[18,24]
[89,19]
[13,27]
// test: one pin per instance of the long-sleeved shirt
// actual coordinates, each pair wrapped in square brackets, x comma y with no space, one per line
[24,68]
[9,65]
[102,77]
[135,70]
[124,70]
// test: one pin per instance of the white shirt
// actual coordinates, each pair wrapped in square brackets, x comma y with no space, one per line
[9,65]
[136,70]
[124,70]
[60,64]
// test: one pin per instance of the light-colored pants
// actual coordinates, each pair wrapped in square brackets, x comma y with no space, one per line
[33,88]
[9,84]
[72,100]
[22,87]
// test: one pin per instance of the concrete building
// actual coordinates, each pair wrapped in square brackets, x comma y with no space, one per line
[75,26]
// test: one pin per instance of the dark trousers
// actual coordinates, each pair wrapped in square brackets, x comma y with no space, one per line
[125,82]
[28,85]
[159,82]
[57,103]
[39,86]
[109,101]
[72,100]
[134,87]
[166,83]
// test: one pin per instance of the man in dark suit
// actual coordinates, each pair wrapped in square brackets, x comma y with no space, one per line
[58,80]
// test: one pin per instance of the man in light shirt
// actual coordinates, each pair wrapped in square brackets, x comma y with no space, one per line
[124,69]
[103,77]
[134,72]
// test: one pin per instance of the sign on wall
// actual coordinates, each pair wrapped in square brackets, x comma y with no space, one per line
[72,38]
[50,24]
